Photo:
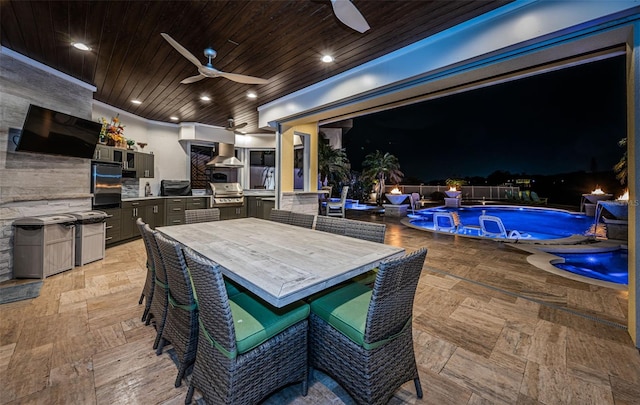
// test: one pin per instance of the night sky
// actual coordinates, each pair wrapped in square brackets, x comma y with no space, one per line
[565,121]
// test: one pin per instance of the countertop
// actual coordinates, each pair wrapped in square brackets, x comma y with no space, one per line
[300,192]
[259,193]
[152,197]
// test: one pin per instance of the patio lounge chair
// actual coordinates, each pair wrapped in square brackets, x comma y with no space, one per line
[336,209]
[446,222]
[537,200]
[492,227]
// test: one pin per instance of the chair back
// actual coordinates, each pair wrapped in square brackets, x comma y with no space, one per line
[444,221]
[331,225]
[158,264]
[180,292]
[415,200]
[213,302]
[302,220]
[492,226]
[343,195]
[365,230]
[338,209]
[391,305]
[203,215]
[145,238]
[281,216]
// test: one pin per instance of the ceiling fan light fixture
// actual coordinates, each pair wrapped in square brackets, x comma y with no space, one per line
[327,58]
[81,46]
[173,118]
[136,102]
[205,98]
[252,95]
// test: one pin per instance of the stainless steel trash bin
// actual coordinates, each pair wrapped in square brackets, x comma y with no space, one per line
[90,234]
[43,245]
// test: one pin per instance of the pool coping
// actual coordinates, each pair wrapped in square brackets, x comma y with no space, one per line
[543,258]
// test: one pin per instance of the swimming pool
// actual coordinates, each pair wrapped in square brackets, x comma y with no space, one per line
[607,266]
[537,223]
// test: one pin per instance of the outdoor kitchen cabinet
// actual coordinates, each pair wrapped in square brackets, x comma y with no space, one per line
[255,207]
[131,211]
[174,210]
[233,212]
[154,213]
[139,163]
[197,203]
[113,225]
[103,153]
[144,165]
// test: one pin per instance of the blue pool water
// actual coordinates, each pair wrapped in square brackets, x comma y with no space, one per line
[538,223]
[607,266]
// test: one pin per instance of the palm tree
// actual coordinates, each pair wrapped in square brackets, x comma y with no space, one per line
[379,166]
[621,167]
[333,164]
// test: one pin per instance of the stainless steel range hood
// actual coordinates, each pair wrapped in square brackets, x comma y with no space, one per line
[226,157]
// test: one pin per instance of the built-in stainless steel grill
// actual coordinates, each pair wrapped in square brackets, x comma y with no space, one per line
[226,194]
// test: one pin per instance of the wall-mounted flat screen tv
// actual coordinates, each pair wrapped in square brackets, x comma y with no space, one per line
[56,133]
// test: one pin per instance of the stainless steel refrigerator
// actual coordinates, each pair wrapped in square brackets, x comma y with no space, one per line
[106,184]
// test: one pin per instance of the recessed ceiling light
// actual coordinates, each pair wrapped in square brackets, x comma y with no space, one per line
[327,58]
[136,102]
[173,118]
[252,94]
[205,98]
[81,46]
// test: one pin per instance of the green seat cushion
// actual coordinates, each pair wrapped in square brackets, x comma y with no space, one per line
[255,322]
[368,278]
[346,310]
[231,287]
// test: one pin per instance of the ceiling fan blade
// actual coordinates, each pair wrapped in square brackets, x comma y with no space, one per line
[182,50]
[347,12]
[243,79]
[192,79]
[234,127]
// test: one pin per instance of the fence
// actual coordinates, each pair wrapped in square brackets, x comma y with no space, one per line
[468,192]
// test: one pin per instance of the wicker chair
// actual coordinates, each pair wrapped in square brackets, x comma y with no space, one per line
[331,225]
[229,369]
[204,215]
[158,309]
[365,230]
[181,326]
[281,216]
[363,338]
[349,227]
[150,282]
[302,220]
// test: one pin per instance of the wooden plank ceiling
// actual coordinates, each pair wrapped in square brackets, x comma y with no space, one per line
[278,40]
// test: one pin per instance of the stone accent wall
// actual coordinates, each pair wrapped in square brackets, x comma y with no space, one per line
[304,202]
[130,188]
[36,184]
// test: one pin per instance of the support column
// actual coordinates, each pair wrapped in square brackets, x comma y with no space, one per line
[633,178]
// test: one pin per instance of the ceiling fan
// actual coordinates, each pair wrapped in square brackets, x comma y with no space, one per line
[349,15]
[208,70]
[235,128]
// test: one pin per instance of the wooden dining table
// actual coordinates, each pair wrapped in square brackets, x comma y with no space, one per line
[280,263]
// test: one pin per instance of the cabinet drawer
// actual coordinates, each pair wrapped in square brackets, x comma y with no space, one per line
[175,219]
[196,203]
[112,235]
